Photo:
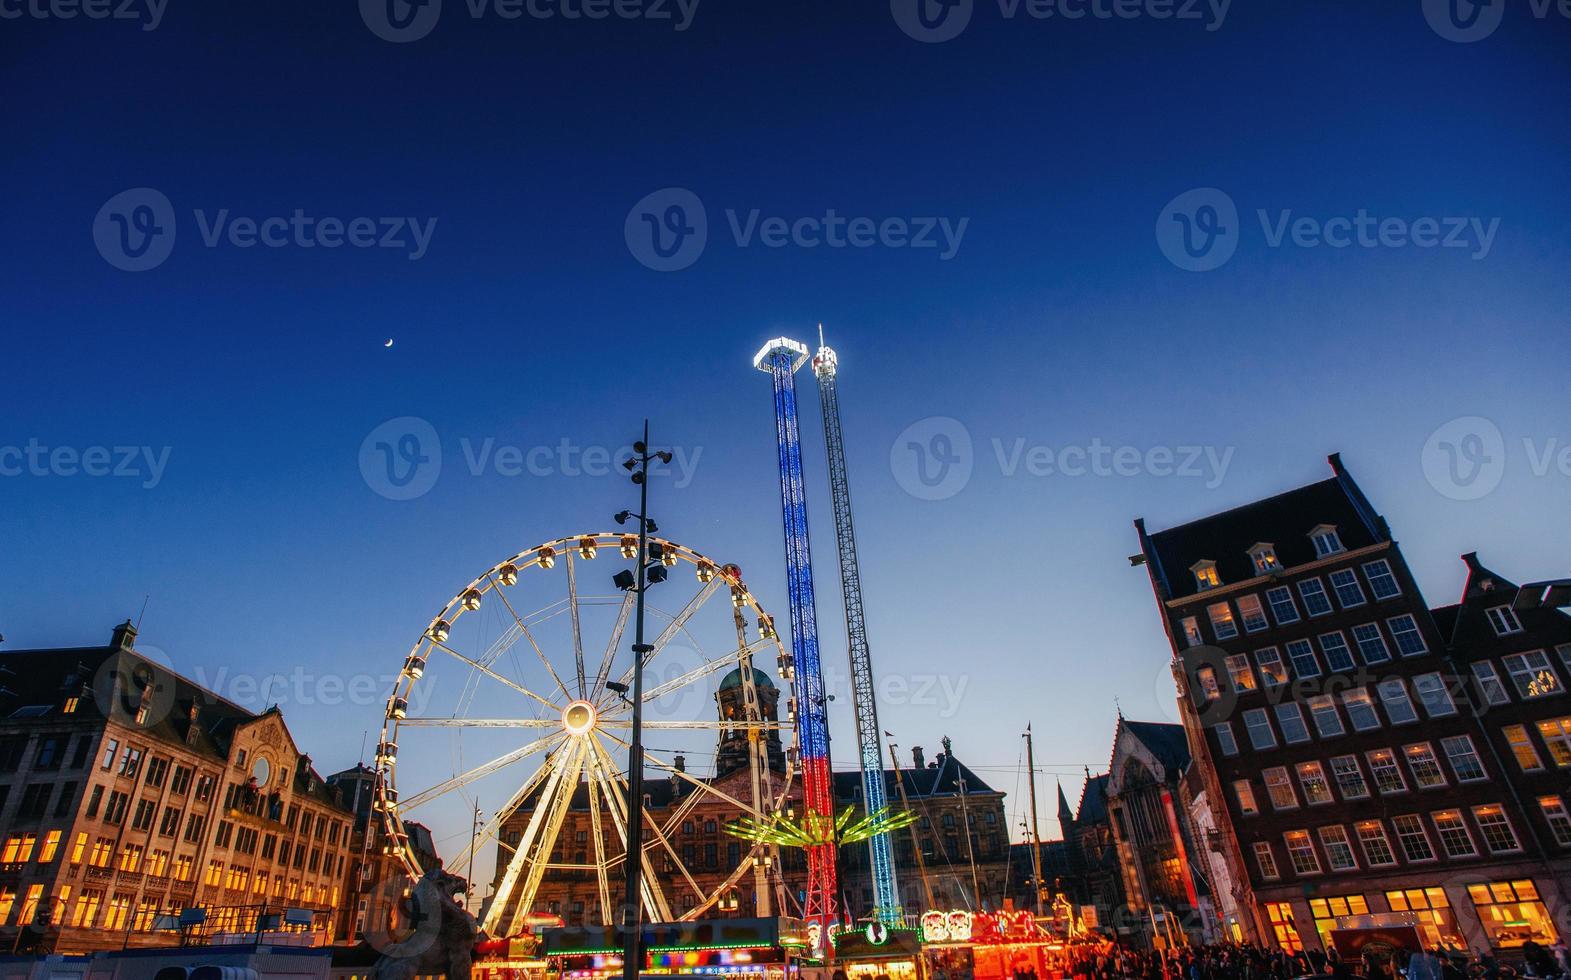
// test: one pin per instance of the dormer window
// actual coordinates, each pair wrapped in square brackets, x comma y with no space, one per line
[1205,574]
[1327,541]
[1263,555]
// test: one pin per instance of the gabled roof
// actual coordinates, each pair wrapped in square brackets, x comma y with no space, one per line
[1167,742]
[1093,800]
[1285,519]
[1465,625]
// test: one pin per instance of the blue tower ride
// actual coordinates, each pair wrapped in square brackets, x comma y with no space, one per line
[874,796]
[781,358]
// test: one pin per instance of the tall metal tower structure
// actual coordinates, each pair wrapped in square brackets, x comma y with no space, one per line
[781,358]
[885,893]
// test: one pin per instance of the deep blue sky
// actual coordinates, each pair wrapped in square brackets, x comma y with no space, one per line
[1058,321]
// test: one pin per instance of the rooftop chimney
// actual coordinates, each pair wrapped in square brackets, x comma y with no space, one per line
[917,758]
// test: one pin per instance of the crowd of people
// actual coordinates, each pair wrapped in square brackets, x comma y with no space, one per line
[1234,961]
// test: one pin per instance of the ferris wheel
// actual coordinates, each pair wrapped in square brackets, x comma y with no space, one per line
[516,696]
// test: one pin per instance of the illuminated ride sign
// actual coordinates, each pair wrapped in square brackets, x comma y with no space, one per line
[981,927]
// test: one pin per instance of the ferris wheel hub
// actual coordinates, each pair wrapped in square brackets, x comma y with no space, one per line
[579,717]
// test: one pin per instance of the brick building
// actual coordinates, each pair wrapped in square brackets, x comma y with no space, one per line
[1367,760]
[128,792]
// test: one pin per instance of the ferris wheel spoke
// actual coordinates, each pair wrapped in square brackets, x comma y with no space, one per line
[481,722]
[464,779]
[677,623]
[531,637]
[578,629]
[607,916]
[538,858]
[617,793]
[493,825]
[707,726]
[528,844]
[704,670]
[683,775]
[629,598]
[505,681]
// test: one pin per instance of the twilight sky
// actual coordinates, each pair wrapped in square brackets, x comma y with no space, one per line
[1024,303]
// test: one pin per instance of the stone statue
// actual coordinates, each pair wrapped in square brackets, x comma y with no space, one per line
[439,933]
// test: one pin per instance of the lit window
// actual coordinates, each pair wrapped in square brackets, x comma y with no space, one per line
[1266,860]
[1313,592]
[1498,835]
[1381,580]
[1377,847]
[1531,674]
[1371,645]
[1554,810]
[1399,707]
[1281,600]
[1246,797]
[1344,582]
[1338,657]
[1239,672]
[70,706]
[1556,733]
[1512,913]
[1360,710]
[51,845]
[1490,687]
[1259,727]
[1339,850]
[1349,778]
[1206,678]
[1388,777]
[1425,767]
[1302,654]
[1455,841]
[1413,838]
[1503,620]
[1301,852]
[1327,541]
[1206,576]
[1291,718]
[1272,670]
[1279,789]
[1192,637]
[1432,694]
[1252,613]
[1409,641]
[1328,721]
[1222,622]
[1225,739]
[1313,780]
[1281,916]
[1264,558]
[1522,747]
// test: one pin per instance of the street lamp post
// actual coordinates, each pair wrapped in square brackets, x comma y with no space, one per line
[632,917]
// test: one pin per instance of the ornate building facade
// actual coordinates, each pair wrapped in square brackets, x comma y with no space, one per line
[129,794]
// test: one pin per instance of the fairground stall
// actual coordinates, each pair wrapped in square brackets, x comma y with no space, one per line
[875,951]
[749,949]
[1005,945]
